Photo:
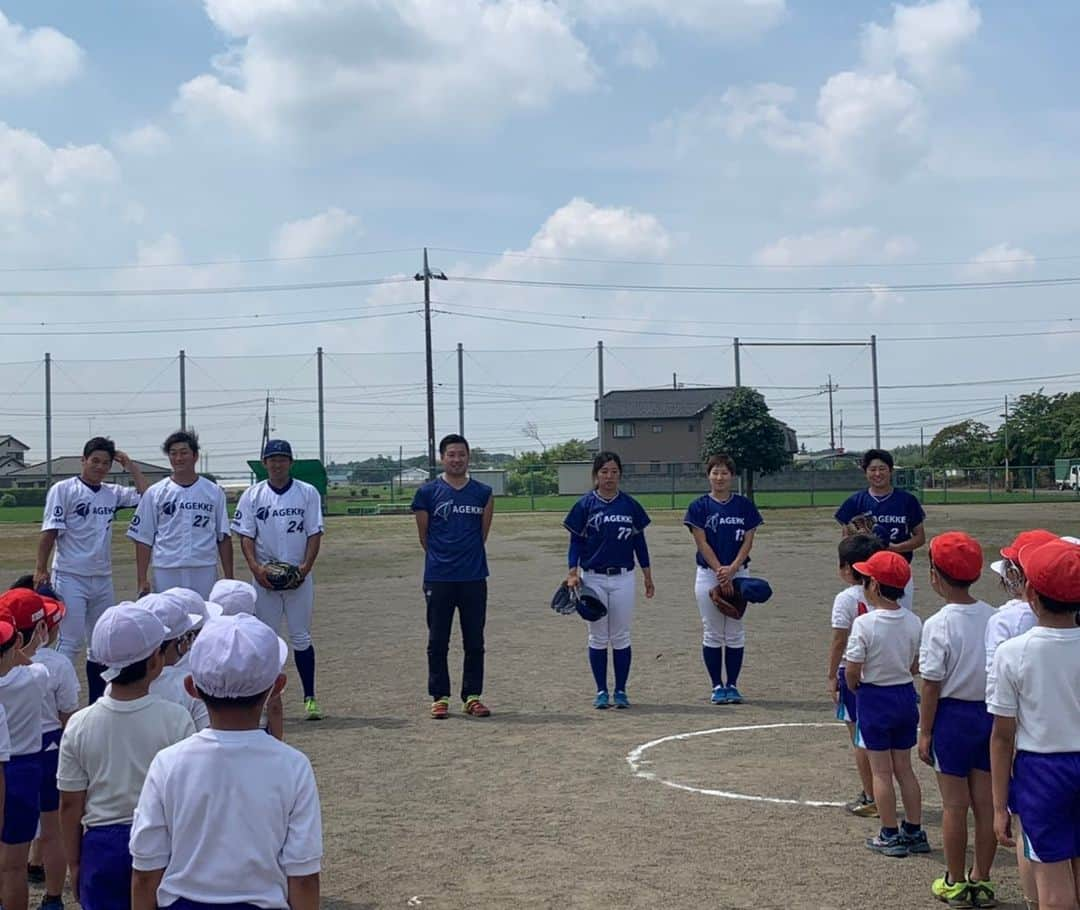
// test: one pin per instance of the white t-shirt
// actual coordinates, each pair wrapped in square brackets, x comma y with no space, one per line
[182,524]
[1038,682]
[62,695]
[5,738]
[848,604]
[280,523]
[223,802]
[170,686]
[886,643]
[1009,620]
[22,693]
[82,518]
[107,748]
[953,650]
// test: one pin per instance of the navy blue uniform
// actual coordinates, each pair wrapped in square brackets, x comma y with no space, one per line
[607,534]
[725,525]
[455,577]
[895,516]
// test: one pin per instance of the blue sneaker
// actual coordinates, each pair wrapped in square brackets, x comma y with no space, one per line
[719,695]
[602,700]
[887,844]
[621,701]
[734,696]
[917,842]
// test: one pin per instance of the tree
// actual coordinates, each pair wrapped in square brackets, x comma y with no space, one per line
[744,429]
[966,444]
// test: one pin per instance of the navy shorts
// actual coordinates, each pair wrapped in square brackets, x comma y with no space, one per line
[22,786]
[888,717]
[182,903]
[105,868]
[1045,793]
[960,741]
[49,799]
[846,708]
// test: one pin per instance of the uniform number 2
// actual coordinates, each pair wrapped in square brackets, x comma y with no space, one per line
[295,527]
[201,521]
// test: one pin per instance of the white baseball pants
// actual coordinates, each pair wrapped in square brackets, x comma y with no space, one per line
[86,597]
[196,578]
[619,594]
[296,606]
[718,630]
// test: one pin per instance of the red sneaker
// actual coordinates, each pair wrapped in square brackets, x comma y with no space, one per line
[473,706]
[440,709]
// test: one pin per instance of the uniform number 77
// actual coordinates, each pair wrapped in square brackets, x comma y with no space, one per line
[625,533]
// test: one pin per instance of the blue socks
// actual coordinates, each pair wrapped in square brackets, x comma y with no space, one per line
[95,685]
[733,663]
[714,663]
[621,659]
[305,667]
[598,665]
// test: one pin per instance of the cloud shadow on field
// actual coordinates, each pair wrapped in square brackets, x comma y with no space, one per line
[347,722]
[535,720]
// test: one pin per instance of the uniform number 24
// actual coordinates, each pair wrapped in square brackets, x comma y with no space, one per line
[295,527]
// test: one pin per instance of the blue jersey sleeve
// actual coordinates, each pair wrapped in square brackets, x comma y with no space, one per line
[422,499]
[641,550]
[753,516]
[696,514]
[576,518]
[577,549]
[641,517]
[849,509]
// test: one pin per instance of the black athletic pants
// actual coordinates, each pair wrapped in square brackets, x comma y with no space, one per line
[470,600]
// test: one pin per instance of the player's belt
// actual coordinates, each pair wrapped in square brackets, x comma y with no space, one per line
[610,570]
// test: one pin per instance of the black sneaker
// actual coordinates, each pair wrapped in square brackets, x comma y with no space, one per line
[35,874]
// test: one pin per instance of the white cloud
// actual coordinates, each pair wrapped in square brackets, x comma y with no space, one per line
[311,236]
[1002,260]
[726,18]
[35,58]
[834,246]
[639,51]
[922,39]
[580,228]
[37,179]
[363,67]
[165,250]
[147,139]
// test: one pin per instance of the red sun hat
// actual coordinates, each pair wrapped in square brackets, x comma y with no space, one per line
[1024,539]
[55,611]
[7,626]
[958,555]
[1053,569]
[27,609]
[886,568]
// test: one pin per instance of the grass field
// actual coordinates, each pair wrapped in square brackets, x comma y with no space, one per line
[538,806]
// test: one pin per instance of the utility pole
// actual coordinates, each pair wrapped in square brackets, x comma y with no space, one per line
[266,425]
[832,435]
[183,392]
[841,428]
[1006,442]
[877,398]
[922,443]
[599,396]
[322,410]
[738,369]
[461,389]
[426,276]
[48,419]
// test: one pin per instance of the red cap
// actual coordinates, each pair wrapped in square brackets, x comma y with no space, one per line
[55,611]
[25,607]
[1024,539]
[1053,569]
[958,555]
[886,568]
[7,626]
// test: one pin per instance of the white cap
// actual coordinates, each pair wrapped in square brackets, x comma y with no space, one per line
[172,612]
[191,600]
[124,635]
[234,596]
[236,657]
[999,566]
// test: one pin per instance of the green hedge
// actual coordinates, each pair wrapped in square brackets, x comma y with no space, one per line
[27,497]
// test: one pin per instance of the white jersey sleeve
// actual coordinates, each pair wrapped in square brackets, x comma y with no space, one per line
[243,520]
[221,511]
[5,738]
[55,518]
[143,526]
[314,508]
[126,497]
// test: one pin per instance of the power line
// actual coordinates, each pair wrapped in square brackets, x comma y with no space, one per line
[202,292]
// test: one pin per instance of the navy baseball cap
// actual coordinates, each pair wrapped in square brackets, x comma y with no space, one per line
[277,447]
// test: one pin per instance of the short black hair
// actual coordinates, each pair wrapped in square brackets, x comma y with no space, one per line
[132,673]
[602,458]
[219,703]
[10,643]
[453,439]
[858,548]
[948,579]
[720,459]
[889,592]
[1059,606]
[99,444]
[189,437]
[880,454]
[23,581]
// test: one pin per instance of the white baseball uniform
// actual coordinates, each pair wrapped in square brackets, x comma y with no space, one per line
[183,525]
[280,523]
[82,517]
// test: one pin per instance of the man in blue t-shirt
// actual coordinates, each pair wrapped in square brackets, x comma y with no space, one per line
[453,516]
[897,515]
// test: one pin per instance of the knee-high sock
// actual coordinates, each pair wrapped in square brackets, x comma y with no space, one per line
[305,666]
[95,685]
[733,662]
[714,663]
[598,665]
[621,658]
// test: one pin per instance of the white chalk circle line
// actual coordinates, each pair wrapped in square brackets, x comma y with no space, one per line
[636,761]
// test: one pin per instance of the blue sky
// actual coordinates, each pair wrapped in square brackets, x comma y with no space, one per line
[728,143]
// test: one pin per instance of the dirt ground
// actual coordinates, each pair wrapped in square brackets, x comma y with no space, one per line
[538,806]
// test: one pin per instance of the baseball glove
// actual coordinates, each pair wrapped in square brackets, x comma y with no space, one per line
[565,600]
[731,604]
[862,524]
[283,576]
